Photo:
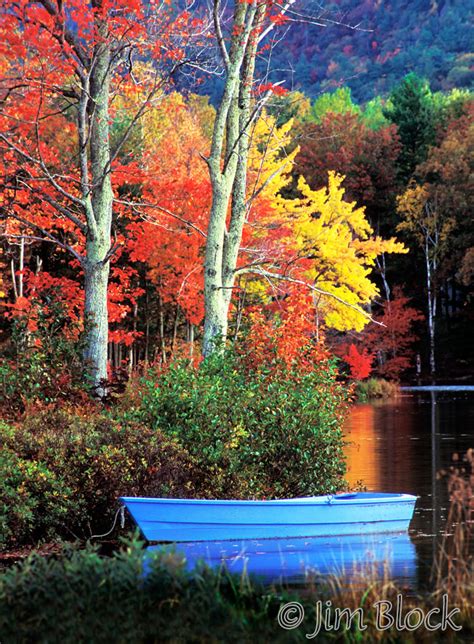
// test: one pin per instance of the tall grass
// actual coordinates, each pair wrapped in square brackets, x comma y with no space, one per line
[376,388]
[453,571]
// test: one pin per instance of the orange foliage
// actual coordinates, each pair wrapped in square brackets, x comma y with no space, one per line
[43,294]
[360,362]
[169,242]
[286,339]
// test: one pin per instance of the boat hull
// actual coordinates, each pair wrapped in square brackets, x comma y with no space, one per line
[203,520]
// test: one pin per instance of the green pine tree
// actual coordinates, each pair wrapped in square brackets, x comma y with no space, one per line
[413,111]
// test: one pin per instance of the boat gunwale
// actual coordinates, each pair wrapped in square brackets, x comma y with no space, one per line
[305,501]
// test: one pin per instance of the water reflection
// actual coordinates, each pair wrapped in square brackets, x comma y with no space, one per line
[401,445]
[297,560]
[381,451]
[362,450]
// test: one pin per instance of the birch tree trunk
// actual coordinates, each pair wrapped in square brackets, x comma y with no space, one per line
[431,295]
[228,163]
[98,237]
[433,249]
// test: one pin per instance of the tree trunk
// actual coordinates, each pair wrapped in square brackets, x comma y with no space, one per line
[215,322]
[383,274]
[147,326]
[98,238]
[132,353]
[97,328]
[228,171]
[162,329]
[191,341]
[431,312]
[22,267]
[175,331]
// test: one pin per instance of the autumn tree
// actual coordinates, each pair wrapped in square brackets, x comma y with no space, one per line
[289,105]
[344,143]
[359,362]
[173,180]
[68,61]
[240,40]
[331,246]
[317,240]
[448,171]
[337,102]
[391,339]
[429,226]
[227,163]
[281,335]
[436,212]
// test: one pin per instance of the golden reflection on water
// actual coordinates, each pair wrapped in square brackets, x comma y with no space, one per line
[361,449]
[385,446]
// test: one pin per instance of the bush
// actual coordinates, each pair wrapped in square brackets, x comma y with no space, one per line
[255,433]
[36,377]
[82,597]
[219,431]
[62,471]
[32,499]
[44,359]
[376,388]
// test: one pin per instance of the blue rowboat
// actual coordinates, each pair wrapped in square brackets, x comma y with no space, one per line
[316,516]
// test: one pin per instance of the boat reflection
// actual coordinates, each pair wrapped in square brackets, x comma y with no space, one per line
[297,560]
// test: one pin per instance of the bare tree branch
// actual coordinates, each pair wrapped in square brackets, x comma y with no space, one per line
[48,235]
[137,205]
[219,34]
[316,289]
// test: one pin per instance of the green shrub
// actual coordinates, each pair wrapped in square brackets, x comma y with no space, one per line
[63,470]
[213,432]
[82,597]
[43,362]
[32,497]
[256,434]
[36,378]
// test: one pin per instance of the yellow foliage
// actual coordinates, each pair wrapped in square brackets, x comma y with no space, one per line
[269,166]
[411,205]
[175,128]
[336,249]
[254,288]
[328,240]
[269,171]
[422,218]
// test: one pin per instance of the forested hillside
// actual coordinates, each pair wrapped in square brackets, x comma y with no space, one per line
[432,38]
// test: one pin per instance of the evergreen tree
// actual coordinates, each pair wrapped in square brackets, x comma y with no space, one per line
[412,109]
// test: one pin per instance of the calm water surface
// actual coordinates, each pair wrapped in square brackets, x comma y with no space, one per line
[401,445]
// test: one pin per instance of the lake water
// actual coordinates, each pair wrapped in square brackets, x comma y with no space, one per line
[393,446]
[401,445]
